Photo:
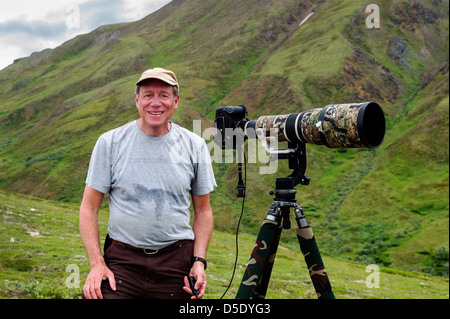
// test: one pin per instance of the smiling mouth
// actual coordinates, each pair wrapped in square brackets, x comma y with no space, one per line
[155,113]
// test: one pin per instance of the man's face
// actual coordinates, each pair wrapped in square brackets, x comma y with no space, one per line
[156,104]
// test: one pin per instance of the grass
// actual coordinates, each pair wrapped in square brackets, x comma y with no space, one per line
[308,43]
[41,253]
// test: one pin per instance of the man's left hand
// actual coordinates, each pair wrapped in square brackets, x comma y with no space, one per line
[198,272]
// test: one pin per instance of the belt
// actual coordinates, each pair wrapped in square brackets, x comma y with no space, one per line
[150,251]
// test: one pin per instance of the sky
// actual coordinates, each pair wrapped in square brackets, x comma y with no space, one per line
[27,26]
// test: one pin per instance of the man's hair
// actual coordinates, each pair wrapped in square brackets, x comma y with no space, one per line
[175,91]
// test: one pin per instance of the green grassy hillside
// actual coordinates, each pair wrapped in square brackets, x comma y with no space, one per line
[42,256]
[387,206]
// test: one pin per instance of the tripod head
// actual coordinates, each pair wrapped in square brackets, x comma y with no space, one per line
[296,154]
[284,189]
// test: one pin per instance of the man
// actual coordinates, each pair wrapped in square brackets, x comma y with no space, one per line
[151,168]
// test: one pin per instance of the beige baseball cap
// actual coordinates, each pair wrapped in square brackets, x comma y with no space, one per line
[160,74]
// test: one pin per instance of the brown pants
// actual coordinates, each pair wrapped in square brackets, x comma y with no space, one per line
[148,276]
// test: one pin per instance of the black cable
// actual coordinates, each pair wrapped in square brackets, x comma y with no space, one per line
[237,228]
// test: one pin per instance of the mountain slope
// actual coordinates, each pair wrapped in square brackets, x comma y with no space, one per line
[55,103]
[56,99]
[46,259]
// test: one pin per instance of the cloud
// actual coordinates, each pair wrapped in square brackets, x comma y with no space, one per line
[13,47]
[133,10]
[100,12]
[36,29]
[28,25]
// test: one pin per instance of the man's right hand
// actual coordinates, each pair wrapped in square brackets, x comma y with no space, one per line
[99,272]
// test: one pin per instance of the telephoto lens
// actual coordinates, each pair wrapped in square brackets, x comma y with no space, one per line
[353,125]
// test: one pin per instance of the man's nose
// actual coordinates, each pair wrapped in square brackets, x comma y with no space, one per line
[155,102]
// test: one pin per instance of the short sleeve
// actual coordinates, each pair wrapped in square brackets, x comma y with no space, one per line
[99,173]
[204,180]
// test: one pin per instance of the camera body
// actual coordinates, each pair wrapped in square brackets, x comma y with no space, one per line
[228,119]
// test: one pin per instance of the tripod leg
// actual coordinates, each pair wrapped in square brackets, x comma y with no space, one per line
[257,274]
[263,284]
[314,263]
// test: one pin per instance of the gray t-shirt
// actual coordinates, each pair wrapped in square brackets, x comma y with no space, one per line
[149,180]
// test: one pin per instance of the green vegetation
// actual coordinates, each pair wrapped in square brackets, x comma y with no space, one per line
[41,256]
[387,206]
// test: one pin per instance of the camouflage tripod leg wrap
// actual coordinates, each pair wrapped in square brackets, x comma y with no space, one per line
[314,263]
[257,274]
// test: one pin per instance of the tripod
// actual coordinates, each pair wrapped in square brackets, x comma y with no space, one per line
[256,278]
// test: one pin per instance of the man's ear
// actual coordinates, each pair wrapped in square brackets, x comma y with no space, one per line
[136,99]
[176,102]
